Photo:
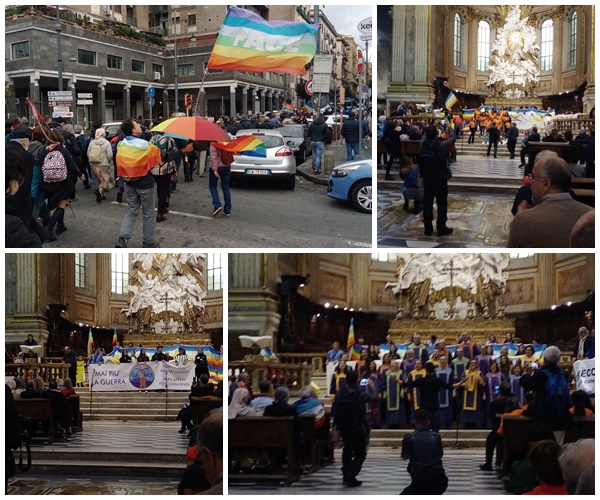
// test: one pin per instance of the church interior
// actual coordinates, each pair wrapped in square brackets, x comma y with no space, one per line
[286,311]
[533,66]
[116,306]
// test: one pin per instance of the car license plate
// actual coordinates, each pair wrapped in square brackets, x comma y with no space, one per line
[257,172]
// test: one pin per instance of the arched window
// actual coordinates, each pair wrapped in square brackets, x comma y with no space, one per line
[483,46]
[119,273]
[457,39]
[546,48]
[573,39]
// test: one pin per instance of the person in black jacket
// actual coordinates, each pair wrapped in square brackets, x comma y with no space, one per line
[319,133]
[201,363]
[526,150]
[493,137]
[350,133]
[70,357]
[159,355]
[512,136]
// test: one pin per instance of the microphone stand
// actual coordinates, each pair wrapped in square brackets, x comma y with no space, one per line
[91,392]
[166,395]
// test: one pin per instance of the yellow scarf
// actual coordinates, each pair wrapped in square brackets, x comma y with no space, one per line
[472,378]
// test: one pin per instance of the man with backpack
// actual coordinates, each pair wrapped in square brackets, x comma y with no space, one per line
[353,424]
[433,167]
[552,397]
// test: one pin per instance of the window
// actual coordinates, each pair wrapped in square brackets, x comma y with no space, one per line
[546,48]
[483,48]
[86,57]
[457,39]
[117,9]
[215,272]
[114,62]
[520,255]
[573,39]
[185,70]
[138,66]
[119,273]
[384,257]
[158,68]
[80,271]
[20,50]
[192,20]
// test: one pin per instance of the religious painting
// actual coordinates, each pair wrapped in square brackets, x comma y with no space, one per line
[334,286]
[382,296]
[85,311]
[520,291]
[572,282]
[117,316]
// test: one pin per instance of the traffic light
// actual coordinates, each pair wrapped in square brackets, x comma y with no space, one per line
[187,99]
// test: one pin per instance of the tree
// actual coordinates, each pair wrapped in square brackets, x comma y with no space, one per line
[301,91]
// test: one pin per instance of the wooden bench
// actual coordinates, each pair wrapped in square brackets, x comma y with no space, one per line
[75,405]
[202,406]
[584,189]
[557,147]
[248,434]
[318,442]
[515,438]
[37,409]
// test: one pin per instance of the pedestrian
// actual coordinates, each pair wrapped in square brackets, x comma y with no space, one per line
[319,133]
[162,174]
[139,190]
[350,133]
[473,130]
[493,137]
[433,167]
[512,137]
[100,156]
[351,420]
[220,168]
[423,449]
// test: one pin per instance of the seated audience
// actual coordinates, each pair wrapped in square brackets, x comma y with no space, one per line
[574,460]
[68,389]
[543,457]
[265,398]
[308,404]
[239,404]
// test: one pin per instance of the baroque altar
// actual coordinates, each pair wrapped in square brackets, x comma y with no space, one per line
[446,294]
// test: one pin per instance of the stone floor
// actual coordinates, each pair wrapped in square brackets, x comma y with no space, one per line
[57,485]
[384,473]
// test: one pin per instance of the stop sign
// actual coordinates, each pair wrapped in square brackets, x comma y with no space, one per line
[361,61]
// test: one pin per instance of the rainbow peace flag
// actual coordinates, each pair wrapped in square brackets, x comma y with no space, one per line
[308,109]
[90,344]
[351,346]
[115,339]
[247,42]
[287,107]
[247,145]
[451,100]
[468,114]
[135,157]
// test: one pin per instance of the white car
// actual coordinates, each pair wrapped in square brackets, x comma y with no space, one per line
[280,163]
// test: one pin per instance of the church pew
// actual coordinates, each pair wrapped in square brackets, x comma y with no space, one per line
[74,404]
[201,407]
[516,428]
[557,147]
[318,442]
[253,434]
[584,189]
[37,409]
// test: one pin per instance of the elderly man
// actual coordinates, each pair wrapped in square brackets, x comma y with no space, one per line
[585,348]
[210,448]
[574,460]
[70,358]
[549,222]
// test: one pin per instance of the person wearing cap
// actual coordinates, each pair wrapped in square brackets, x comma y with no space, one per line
[585,345]
[549,409]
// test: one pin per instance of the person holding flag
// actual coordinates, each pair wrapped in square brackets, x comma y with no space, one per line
[115,340]
[135,158]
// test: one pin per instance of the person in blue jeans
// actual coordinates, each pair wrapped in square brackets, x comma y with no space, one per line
[319,133]
[350,133]
[219,170]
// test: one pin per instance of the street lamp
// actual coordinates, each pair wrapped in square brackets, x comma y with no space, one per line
[175,64]
[70,59]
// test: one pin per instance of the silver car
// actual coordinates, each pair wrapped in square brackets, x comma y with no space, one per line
[279,164]
[296,137]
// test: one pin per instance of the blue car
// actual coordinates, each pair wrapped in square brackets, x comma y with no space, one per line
[351,181]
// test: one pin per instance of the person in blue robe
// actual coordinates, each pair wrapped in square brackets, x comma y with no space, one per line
[444,373]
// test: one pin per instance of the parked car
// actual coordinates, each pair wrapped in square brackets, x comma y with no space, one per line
[296,137]
[352,181]
[111,129]
[279,164]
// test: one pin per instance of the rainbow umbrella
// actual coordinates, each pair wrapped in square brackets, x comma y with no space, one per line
[191,127]
[246,145]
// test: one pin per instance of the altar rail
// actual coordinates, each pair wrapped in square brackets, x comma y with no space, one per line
[293,375]
[573,124]
[314,359]
[47,371]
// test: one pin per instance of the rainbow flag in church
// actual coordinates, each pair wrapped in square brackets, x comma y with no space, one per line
[247,42]
[451,100]
[468,115]
[135,157]
[115,338]
[90,343]
[351,346]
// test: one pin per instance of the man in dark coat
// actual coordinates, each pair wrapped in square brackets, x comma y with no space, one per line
[319,132]
[494,137]
[350,133]
[512,136]
[70,357]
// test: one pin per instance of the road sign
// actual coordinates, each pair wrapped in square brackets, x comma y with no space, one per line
[151,91]
[321,82]
[309,87]
[61,109]
[152,102]
[59,93]
[366,38]
[366,25]
[365,89]
[60,103]
[84,96]
[324,100]
[85,102]
[323,64]
[361,60]
[63,114]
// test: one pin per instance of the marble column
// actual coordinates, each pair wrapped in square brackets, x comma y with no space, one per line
[473,35]
[127,99]
[103,287]
[399,43]
[262,101]
[232,95]
[102,100]
[246,271]
[244,100]
[589,94]
[545,280]
[26,291]
[422,43]
[558,20]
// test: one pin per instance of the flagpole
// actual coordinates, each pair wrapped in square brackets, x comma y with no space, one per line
[200,93]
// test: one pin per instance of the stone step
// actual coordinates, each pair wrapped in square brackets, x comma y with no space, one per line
[141,418]
[50,454]
[447,443]
[446,434]
[140,468]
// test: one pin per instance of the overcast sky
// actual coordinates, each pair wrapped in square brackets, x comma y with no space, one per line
[345,18]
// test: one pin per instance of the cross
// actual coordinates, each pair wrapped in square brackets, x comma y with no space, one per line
[166,298]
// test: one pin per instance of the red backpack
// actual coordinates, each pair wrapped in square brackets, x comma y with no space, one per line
[226,157]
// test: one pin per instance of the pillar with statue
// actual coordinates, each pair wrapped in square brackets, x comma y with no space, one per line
[447,294]
[166,299]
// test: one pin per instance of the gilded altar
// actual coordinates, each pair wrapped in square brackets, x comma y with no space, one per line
[154,339]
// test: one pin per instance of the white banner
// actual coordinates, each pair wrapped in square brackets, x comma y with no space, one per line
[585,373]
[151,376]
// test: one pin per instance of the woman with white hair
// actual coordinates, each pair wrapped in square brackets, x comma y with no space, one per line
[308,404]
[239,404]
[100,156]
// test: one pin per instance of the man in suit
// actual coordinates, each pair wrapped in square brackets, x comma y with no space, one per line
[549,222]
[494,137]
[512,135]
[70,357]
[585,348]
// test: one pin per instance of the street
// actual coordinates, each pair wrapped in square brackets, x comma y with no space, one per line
[264,215]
